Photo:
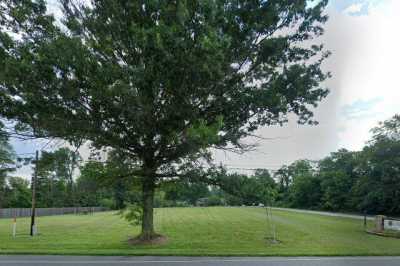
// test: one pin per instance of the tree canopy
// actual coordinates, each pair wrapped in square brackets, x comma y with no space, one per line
[351,181]
[160,81]
[7,154]
[7,165]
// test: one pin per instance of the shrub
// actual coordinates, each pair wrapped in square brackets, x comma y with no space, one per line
[133,213]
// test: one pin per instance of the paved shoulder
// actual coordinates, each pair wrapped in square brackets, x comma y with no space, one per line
[334,214]
[198,261]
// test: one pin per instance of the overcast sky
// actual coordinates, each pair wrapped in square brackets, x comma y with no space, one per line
[364,38]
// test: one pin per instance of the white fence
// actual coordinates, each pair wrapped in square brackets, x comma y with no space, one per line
[26,212]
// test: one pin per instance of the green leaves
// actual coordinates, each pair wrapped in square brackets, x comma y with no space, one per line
[389,130]
[203,134]
[133,214]
[155,79]
[349,181]
[7,155]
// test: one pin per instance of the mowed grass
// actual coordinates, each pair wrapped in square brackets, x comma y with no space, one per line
[198,231]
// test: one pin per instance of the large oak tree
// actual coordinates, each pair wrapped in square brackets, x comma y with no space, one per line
[161,81]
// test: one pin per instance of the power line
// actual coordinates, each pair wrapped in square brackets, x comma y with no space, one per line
[262,166]
[251,169]
[26,153]
[46,144]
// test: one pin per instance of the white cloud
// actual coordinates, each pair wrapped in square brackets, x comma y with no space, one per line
[364,65]
[369,69]
[354,8]
[365,83]
[361,109]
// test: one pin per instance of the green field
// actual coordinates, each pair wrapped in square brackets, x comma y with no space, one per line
[199,231]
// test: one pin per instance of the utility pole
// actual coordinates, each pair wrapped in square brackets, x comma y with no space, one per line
[365,220]
[34,177]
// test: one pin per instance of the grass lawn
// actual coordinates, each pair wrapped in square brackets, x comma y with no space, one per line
[198,231]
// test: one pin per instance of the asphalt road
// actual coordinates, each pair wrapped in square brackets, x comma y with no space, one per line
[24,260]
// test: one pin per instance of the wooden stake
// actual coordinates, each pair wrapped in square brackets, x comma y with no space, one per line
[14,232]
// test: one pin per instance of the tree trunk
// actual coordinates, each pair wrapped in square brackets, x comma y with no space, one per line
[119,194]
[148,187]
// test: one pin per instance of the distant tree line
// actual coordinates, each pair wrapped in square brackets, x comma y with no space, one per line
[365,181]
[348,181]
